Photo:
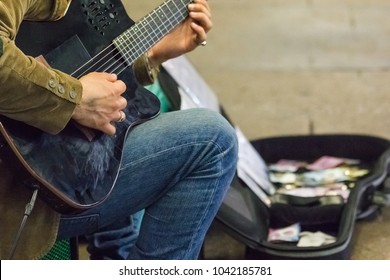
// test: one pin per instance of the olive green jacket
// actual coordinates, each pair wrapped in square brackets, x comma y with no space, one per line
[30,92]
[26,95]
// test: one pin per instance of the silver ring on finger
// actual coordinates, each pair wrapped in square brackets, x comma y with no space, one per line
[122,117]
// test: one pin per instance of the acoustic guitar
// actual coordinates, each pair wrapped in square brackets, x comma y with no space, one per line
[74,172]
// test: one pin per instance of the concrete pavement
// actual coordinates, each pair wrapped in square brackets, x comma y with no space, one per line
[282,67]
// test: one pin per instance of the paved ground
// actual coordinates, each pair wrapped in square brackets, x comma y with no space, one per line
[294,66]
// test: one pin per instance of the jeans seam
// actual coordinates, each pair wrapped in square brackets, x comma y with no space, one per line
[201,221]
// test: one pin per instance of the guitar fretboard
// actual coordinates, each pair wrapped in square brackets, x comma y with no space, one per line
[150,29]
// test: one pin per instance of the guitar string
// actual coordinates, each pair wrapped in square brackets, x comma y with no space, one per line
[179,10]
[115,56]
[153,35]
[114,59]
[134,55]
[173,20]
[126,49]
[102,58]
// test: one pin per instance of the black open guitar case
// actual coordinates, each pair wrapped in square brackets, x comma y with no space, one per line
[246,218]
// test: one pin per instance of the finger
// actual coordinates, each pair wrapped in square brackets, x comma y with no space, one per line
[200,33]
[122,103]
[113,78]
[122,116]
[114,105]
[200,6]
[108,76]
[120,86]
[117,116]
[202,19]
[108,129]
[201,25]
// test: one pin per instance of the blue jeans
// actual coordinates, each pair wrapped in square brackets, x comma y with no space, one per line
[175,172]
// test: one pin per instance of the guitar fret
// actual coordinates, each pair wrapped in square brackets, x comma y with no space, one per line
[154,24]
[147,33]
[142,36]
[150,29]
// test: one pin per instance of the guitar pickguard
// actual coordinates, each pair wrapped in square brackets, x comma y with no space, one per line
[69,56]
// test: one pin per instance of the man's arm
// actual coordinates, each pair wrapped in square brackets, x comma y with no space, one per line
[30,91]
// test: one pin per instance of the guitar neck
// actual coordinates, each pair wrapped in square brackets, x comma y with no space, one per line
[150,29]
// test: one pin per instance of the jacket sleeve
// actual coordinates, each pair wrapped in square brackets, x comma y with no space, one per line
[31,92]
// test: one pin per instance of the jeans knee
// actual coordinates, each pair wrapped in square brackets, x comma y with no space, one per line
[225,133]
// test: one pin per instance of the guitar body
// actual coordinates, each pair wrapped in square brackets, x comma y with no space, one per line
[73,172]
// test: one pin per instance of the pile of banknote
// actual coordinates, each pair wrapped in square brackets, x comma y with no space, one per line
[327,175]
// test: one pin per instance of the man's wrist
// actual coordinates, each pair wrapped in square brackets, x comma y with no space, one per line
[145,70]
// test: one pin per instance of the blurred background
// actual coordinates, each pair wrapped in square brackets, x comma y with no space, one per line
[282,67]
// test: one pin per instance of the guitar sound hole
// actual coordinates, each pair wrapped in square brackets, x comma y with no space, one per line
[100,14]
